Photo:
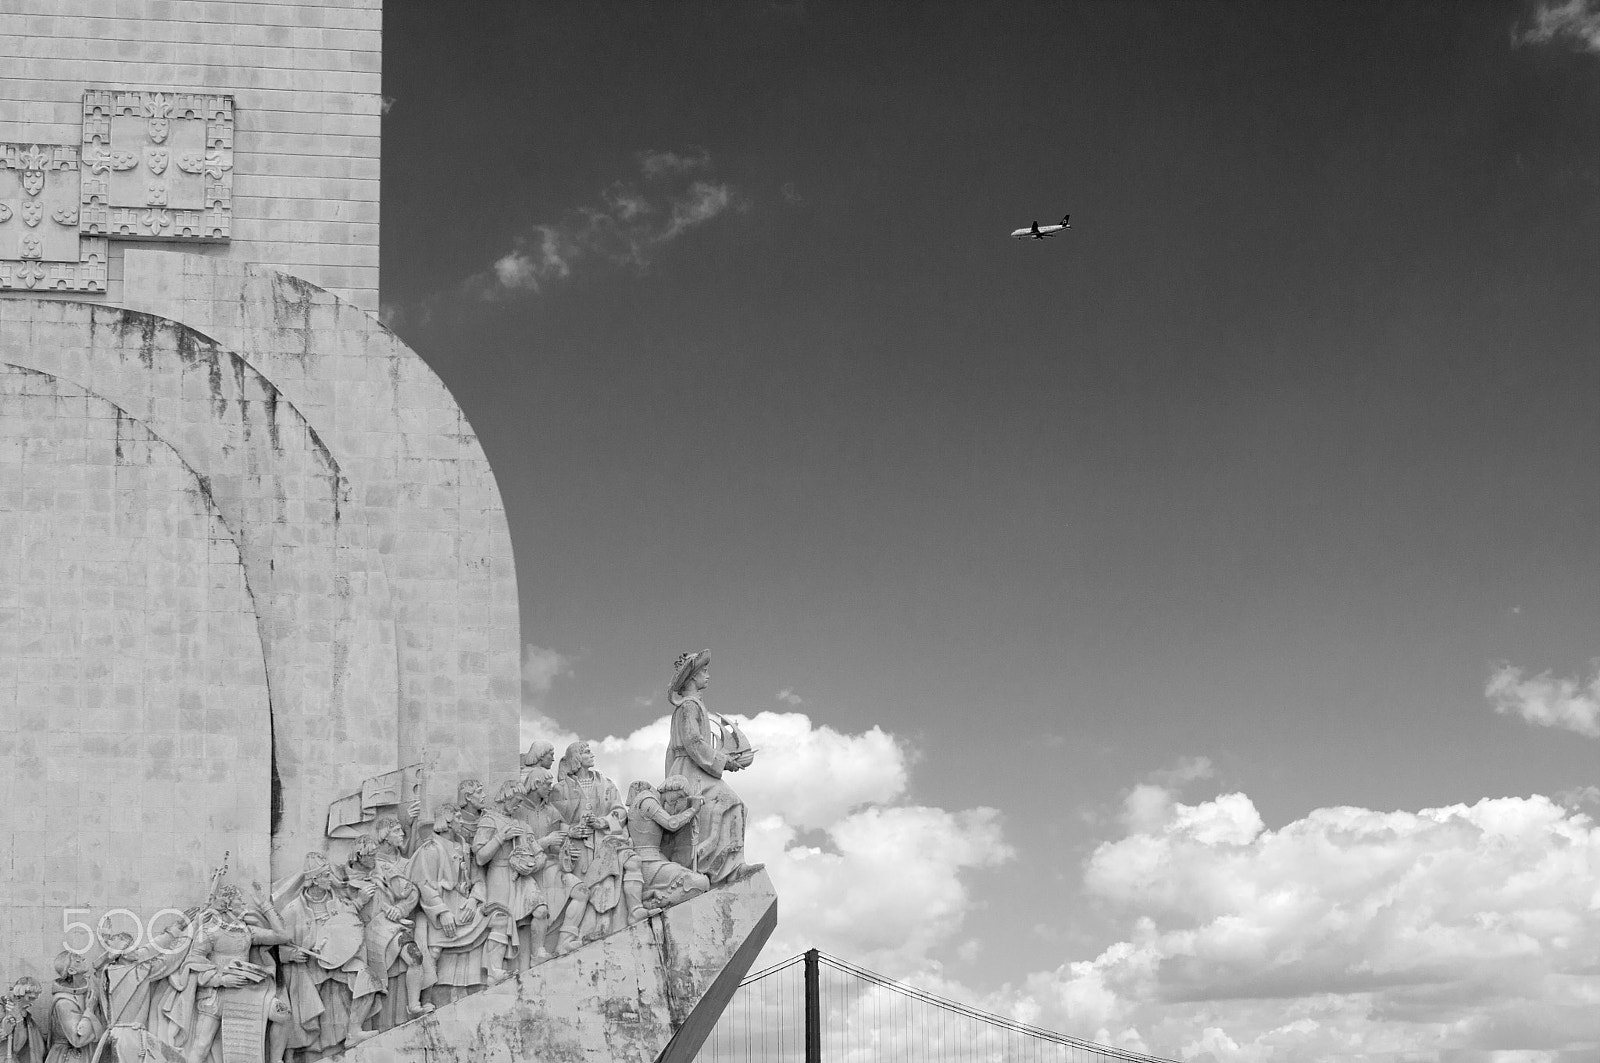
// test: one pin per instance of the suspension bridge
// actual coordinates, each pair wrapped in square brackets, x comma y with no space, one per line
[816,1008]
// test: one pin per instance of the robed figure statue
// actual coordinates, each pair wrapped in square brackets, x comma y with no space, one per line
[696,752]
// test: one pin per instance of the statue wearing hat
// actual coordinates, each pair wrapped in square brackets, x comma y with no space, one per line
[701,750]
[331,992]
[377,872]
[20,1038]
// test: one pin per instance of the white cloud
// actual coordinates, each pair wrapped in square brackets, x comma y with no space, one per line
[627,228]
[811,776]
[704,201]
[861,873]
[887,888]
[541,667]
[1575,22]
[1546,700]
[1348,934]
[789,697]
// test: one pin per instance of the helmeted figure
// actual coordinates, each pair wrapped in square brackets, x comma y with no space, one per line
[693,752]
[331,992]
[607,893]
[661,824]
[377,874]
[21,1040]
[452,928]
[511,859]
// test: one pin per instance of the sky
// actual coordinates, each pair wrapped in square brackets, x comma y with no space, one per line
[1179,632]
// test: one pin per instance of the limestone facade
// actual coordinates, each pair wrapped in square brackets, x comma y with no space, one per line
[294,574]
[304,79]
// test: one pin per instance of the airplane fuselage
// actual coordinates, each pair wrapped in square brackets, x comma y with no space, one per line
[1039,232]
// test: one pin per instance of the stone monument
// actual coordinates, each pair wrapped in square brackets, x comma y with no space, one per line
[259,683]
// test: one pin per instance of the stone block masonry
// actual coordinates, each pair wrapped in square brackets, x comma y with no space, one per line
[305,79]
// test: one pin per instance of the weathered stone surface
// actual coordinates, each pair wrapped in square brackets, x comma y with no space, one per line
[134,716]
[621,999]
[315,577]
[418,479]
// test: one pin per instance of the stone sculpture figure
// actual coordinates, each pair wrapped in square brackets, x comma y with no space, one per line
[331,993]
[453,928]
[511,859]
[470,803]
[137,980]
[377,872]
[75,1023]
[692,752]
[540,754]
[227,984]
[549,832]
[661,824]
[608,890]
[21,1040]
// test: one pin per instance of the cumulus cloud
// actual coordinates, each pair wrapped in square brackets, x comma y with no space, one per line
[789,697]
[810,775]
[1444,934]
[1572,22]
[1568,704]
[541,667]
[627,227]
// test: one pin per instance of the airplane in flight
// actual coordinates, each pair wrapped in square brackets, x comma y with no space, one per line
[1039,232]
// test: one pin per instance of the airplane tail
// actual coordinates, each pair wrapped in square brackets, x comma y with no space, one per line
[1066,221]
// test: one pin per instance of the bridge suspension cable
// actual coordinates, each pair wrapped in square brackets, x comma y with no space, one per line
[816,1008]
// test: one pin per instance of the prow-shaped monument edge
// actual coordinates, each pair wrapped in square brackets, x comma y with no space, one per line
[650,991]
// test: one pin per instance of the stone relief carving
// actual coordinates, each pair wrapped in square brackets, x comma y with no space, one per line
[406,913]
[39,181]
[151,165]
[158,165]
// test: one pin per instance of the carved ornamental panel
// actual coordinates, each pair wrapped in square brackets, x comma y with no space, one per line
[42,247]
[151,166]
[157,165]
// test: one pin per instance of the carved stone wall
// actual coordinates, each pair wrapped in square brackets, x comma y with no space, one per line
[134,716]
[303,80]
